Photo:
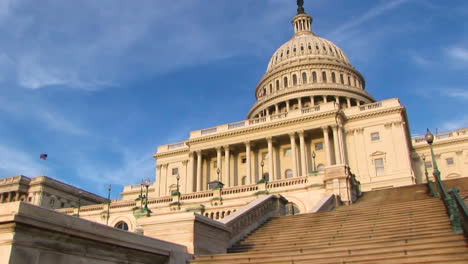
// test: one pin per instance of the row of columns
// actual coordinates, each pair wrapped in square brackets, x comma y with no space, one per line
[267,111]
[7,197]
[338,157]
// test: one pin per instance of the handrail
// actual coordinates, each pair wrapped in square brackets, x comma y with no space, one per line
[462,208]
[450,204]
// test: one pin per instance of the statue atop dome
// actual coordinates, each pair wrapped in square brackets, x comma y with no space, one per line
[300,7]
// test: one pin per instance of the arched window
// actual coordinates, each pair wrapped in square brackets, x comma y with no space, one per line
[277,85]
[349,80]
[294,79]
[333,77]
[271,88]
[324,77]
[285,82]
[314,77]
[122,226]
[288,173]
[320,168]
[304,77]
[342,78]
[244,180]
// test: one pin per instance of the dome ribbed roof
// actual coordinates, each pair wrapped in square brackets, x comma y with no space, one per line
[307,47]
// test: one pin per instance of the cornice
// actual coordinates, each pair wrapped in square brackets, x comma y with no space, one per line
[171,153]
[262,127]
[359,116]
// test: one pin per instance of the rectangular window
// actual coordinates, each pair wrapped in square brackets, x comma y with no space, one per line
[215,164]
[265,155]
[450,161]
[175,171]
[319,146]
[287,152]
[379,167]
[243,159]
[375,136]
[428,164]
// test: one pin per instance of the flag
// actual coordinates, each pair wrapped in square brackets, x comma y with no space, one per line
[43,156]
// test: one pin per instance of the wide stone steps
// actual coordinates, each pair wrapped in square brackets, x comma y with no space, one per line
[331,254]
[397,232]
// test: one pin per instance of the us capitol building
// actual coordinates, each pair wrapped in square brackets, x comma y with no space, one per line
[313,135]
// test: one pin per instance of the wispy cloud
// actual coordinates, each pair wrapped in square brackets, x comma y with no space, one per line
[372,13]
[458,53]
[421,60]
[455,124]
[14,162]
[457,93]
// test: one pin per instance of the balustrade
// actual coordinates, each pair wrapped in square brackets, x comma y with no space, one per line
[209,130]
[370,106]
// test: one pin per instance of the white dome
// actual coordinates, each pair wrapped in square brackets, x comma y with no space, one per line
[306,47]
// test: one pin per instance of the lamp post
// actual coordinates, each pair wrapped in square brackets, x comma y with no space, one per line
[147,183]
[261,165]
[429,182]
[218,171]
[313,159]
[448,200]
[109,189]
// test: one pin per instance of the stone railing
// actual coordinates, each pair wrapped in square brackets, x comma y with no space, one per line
[250,217]
[236,125]
[197,195]
[443,136]
[279,116]
[245,190]
[239,189]
[176,145]
[287,182]
[357,110]
[311,109]
[209,130]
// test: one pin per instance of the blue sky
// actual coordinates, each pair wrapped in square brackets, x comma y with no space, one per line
[98,85]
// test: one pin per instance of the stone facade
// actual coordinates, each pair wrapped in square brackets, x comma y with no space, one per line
[46,192]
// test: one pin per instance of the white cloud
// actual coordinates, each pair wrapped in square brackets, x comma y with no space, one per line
[59,123]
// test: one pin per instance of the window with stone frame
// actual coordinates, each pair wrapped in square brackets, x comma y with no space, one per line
[379,167]
[375,136]
[319,146]
[428,164]
[175,171]
[287,152]
[450,161]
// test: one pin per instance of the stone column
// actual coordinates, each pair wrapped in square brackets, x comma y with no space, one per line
[325,99]
[326,145]
[227,158]
[342,139]
[247,163]
[300,103]
[191,173]
[158,179]
[292,138]
[184,177]
[164,180]
[218,161]
[287,105]
[348,101]
[312,101]
[336,144]
[303,153]
[276,108]
[199,171]
[271,170]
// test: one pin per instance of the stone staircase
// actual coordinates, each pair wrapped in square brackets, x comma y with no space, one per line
[400,225]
